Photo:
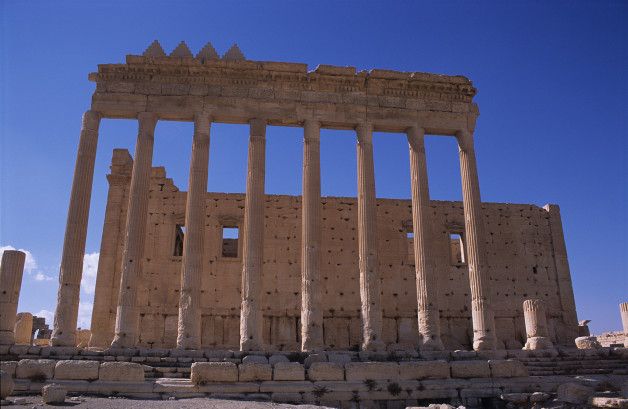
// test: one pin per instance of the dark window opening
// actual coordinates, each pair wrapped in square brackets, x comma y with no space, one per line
[179,233]
[230,236]
[457,249]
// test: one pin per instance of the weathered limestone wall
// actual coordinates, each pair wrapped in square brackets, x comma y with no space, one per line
[519,244]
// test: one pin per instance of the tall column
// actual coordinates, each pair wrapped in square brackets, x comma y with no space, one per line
[105,298]
[128,313]
[311,307]
[251,319]
[623,308]
[367,238]
[426,280]
[482,313]
[536,325]
[189,336]
[11,271]
[71,271]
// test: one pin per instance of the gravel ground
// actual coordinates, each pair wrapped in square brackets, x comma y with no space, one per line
[85,402]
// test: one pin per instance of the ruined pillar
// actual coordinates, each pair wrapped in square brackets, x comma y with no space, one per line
[71,271]
[105,298]
[128,312]
[623,308]
[482,314]
[11,271]
[311,307]
[23,328]
[251,319]
[189,332]
[426,280]
[536,325]
[371,308]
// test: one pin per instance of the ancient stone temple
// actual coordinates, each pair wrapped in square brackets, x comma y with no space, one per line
[201,270]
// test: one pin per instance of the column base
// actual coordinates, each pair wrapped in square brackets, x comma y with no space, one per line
[431,344]
[373,345]
[123,341]
[188,343]
[484,343]
[59,341]
[251,345]
[540,344]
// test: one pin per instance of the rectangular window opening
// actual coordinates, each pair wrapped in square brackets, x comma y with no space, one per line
[179,234]
[457,249]
[230,237]
[410,241]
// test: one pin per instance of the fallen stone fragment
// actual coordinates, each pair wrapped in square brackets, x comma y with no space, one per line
[587,343]
[539,397]
[515,397]
[574,393]
[53,393]
[604,402]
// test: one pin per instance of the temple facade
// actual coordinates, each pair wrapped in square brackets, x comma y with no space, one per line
[253,271]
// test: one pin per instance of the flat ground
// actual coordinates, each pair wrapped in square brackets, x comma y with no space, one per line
[84,402]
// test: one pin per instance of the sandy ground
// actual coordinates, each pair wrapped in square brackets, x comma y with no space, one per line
[84,402]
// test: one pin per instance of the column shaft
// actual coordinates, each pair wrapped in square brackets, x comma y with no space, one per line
[623,309]
[189,335]
[251,319]
[426,280]
[367,238]
[11,272]
[311,307]
[71,271]
[128,313]
[482,313]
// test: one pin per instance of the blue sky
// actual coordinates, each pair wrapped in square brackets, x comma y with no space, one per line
[552,92]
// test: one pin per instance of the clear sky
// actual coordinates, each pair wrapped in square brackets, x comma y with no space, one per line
[552,92]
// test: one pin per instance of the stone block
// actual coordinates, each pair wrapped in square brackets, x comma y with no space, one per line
[237,387]
[424,370]
[288,371]
[277,358]
[6,384]
[255,372]
[53,393]
[362,371]
[286,387]
[79,370]
[214,372]
[587,343]
[470,369]
[254,359]
[326,371]
[574,393]
[121,371]
[510,368]
[8,367]
[314,358]
[36,370]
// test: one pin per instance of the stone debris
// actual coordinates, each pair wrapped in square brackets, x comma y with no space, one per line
[587,343]
[574,393]
[53,393]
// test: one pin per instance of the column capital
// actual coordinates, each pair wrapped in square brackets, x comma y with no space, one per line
[465,139]
[91,120]
[258,127]
[311,128]
[364,131]
[416,136]
[202,122]
[147,121]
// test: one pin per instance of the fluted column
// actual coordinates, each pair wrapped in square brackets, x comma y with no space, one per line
[481,310]
[311,308]
[426,280]
[189,336]
[128,313]
[623,308]
[536,325]
[71,271]
[251,319]
[367,235]
[10,284]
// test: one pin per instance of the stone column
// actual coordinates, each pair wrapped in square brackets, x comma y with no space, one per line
[426,280]
[367,238]
[482,314]
[23,328]
[11,271]
[128,313]
[623,308]
[311,307]
[536,325]
[105,298]
[71,271]
[189,335]
[251,320]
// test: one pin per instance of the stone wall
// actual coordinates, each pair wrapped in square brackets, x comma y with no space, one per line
[521,244]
